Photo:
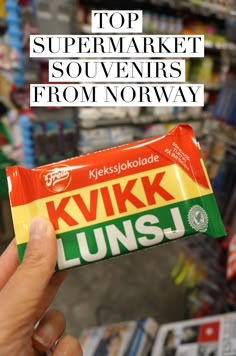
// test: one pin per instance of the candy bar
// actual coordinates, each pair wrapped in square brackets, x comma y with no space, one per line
[118,200]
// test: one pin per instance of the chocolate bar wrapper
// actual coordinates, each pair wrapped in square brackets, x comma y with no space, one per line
[118,200]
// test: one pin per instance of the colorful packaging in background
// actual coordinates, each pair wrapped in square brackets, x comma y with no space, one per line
[200,272]
[204,336]
[119,200]
[47,141]
[123,339]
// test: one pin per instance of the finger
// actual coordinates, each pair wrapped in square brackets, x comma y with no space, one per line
[49,331]
[50,292]
[33,275]
[9,262]
[68,345]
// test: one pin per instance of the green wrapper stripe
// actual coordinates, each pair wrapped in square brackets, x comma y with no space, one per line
[138,231]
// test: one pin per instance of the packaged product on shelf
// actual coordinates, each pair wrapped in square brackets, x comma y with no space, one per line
[162,113]
[123,339]
[201,71]
[119,200]
[154,130]
[203,336]
[121,134]
[94,136]
[53,141]
[85,114]
[133,112]
[39,139]
[69,138]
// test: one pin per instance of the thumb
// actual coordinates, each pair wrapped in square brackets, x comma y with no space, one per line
[27,285]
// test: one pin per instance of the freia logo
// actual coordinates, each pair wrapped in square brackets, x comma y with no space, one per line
[56,179]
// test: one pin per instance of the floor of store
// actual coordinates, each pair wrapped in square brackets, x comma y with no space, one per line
[123,288]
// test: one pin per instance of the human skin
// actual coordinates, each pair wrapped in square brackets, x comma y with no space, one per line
[26,291]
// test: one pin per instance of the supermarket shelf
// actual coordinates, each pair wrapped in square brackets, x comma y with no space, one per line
[212,86]
[143,120]
[208,86]
[206,9]
[224,46]
[224,138]
[85,29]
[100,146]
[106,145]
[53,114]
[180,117]
[92,123]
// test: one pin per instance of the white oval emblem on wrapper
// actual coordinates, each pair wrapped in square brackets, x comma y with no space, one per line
[198,219]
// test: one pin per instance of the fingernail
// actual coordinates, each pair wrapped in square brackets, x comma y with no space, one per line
[39,228]
[45,335]
[40,340]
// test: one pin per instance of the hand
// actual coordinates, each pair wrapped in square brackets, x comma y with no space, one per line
[26,291]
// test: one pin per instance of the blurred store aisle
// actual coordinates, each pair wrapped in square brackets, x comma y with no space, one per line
[125,288]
